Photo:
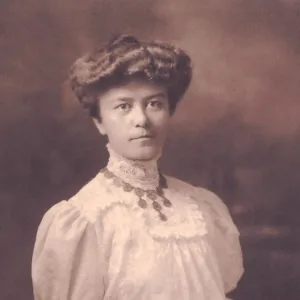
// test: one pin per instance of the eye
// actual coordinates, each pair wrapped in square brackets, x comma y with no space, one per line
[123,106]
[155,104]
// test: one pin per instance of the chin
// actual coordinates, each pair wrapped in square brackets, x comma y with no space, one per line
[144,154]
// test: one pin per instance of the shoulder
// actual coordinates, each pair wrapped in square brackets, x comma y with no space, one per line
[94,198]
[86,204]
[199,193]
[177,184]
[206,199]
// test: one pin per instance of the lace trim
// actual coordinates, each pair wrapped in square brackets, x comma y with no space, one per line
[142,174]
[185,220]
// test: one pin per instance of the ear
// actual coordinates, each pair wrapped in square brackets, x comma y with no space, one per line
[99,126]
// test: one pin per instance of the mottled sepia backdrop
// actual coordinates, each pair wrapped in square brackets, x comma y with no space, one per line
[237,132]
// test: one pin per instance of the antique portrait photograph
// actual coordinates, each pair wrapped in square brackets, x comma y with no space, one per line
[150,150]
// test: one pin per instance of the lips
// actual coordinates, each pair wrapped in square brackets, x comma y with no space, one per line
[146,136]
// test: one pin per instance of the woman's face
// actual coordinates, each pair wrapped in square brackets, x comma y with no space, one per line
[135,117]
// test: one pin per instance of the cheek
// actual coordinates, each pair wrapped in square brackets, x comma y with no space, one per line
[111,128]
[162,126]
[115,131]
[163,121]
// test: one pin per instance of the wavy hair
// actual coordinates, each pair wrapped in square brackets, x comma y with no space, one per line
[125,58]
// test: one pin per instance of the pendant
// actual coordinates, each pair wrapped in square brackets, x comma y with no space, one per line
[167,202]
[139,192]
[156,206]
[127,187]
[151,194]
[163,217]
[142,203]
[108,174]
[117,181]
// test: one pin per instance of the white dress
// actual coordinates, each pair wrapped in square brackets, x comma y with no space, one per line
[101,245]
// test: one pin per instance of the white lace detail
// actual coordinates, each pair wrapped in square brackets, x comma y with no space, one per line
[142,174]
[184,219]
[182,258]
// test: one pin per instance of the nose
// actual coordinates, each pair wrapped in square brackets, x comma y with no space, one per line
[140,118]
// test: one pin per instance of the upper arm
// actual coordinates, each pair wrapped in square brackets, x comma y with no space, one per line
[66,263]
[224,237]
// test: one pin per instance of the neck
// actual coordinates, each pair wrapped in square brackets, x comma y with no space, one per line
[138,173]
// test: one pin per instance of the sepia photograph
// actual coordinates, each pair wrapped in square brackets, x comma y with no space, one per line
[149,150]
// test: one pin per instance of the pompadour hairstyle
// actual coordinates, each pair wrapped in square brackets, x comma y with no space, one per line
[125,58]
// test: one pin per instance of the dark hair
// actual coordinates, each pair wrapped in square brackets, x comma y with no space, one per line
[125,58]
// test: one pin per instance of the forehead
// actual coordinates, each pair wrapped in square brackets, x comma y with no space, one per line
[135,89]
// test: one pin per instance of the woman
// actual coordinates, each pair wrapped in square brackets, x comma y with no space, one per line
[132,232]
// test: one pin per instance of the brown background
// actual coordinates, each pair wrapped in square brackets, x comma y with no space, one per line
[237,131]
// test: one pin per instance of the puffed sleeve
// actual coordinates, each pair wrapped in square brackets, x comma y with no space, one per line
[225,241]
[67,262]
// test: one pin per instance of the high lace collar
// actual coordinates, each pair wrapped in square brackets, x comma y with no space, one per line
[142,174]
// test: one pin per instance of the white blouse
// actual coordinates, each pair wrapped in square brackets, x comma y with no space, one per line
[101,245]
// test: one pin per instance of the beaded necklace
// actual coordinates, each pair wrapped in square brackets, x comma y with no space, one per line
[151,194]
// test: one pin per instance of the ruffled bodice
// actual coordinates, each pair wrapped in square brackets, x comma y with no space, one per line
[101,245]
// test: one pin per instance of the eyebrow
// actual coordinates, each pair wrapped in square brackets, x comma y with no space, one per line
[155,96]
[146,98]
